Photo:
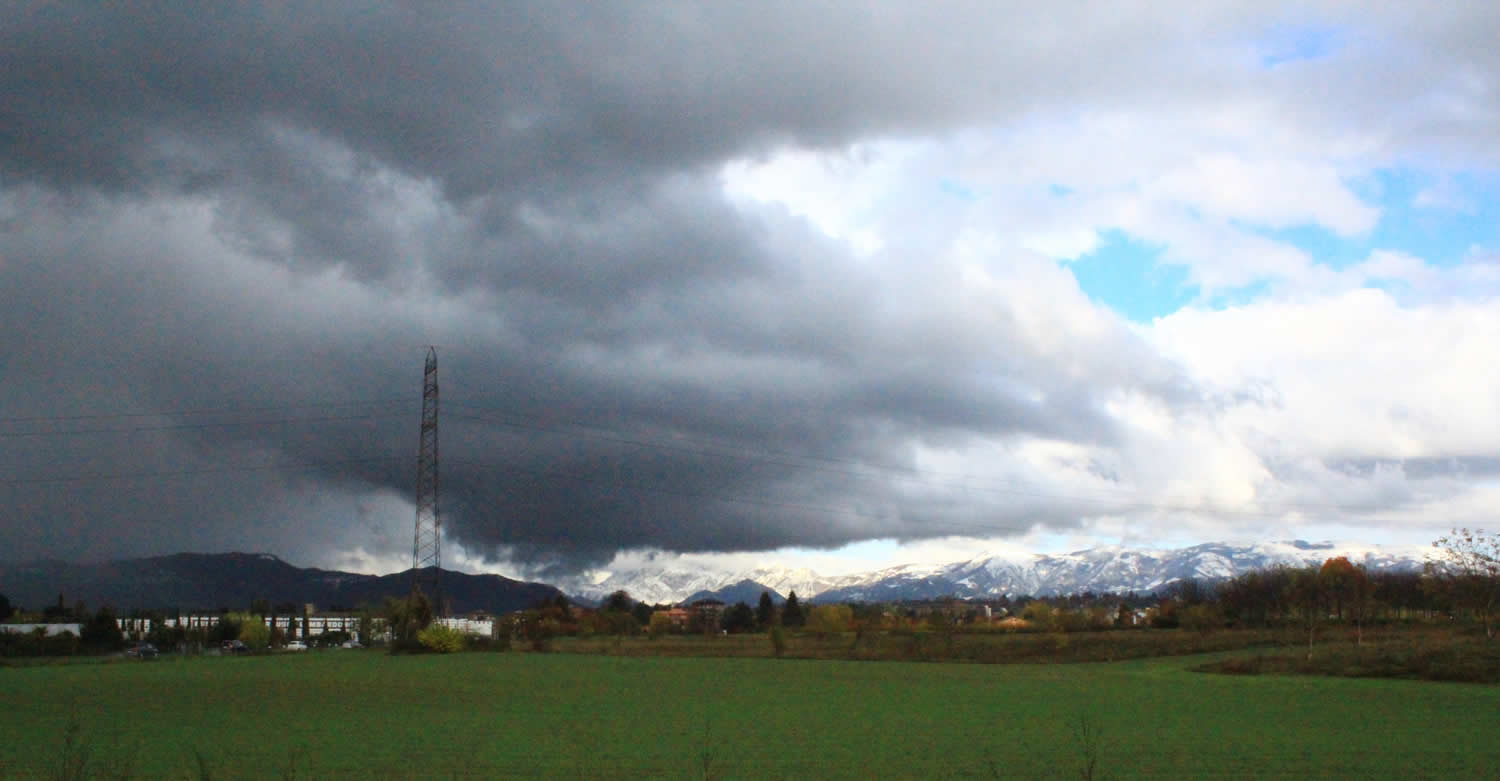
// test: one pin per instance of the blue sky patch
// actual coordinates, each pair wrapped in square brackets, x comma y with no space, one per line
[1440,234]
[1296,44]
[1124,274]
[956,189]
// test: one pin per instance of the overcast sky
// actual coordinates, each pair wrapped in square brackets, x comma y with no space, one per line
[878,280]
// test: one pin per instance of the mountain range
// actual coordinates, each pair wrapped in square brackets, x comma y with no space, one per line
[1112,569]
[193,581]
[209,581]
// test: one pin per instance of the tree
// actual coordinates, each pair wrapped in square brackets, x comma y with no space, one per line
[254,632]
[1040,615]
[738,618]
[226,628]
[618,602]
[642,613]
[6,611]
[791,612]
[1306,596]
[59,613]
[659,624]
[1467,570]
[1350,590]
[765,612]
[406,617]
[828,619]
[101,632]
[366,624]
[1202,618]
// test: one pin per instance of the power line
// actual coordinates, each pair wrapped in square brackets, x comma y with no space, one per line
[197,426]
[197,411]
[191,472]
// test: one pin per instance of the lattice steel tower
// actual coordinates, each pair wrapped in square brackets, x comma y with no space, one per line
[427,543]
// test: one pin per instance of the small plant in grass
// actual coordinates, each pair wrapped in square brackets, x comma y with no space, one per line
[73,758]
[1087,738]
[205,766]
[76,758]
[707,754]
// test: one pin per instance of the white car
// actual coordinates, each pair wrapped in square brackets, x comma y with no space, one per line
[296,645]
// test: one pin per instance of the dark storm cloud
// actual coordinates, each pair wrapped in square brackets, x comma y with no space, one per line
[211,206]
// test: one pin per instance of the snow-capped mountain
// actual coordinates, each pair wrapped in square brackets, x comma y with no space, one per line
[1112,569]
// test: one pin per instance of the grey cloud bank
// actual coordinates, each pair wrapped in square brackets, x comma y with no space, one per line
[232,205]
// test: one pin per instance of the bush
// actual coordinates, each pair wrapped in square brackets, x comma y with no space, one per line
[1041,617]
[828,619]
[778,640]
[541,632]
[659,624]
[101,633]
[441,639]
[1201,618]
[253,631]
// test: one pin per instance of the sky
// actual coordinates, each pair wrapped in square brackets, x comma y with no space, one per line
[838,285]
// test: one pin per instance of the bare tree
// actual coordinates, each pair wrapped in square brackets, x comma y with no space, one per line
[1467,567]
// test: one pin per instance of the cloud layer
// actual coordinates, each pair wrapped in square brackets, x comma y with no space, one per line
[724,278]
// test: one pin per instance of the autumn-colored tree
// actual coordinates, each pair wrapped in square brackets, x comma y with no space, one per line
[827,619]
[1040,615]
[1467,569]
[1349,589]
[659,624]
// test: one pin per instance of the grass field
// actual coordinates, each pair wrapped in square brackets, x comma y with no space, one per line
[367,714]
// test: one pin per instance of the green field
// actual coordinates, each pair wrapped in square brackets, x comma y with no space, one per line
[367,714]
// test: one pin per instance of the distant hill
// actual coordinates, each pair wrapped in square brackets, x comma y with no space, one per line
[747,591]
[208,581]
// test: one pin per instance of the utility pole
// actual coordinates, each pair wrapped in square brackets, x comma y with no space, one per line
[427,543]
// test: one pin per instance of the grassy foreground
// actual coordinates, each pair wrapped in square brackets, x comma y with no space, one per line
[351,713]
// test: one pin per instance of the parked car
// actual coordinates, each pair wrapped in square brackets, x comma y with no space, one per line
[234,647]
[141,651]
[296,645]
[352,644]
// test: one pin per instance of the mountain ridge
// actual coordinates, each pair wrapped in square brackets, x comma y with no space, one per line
[1112,569]
[209,581]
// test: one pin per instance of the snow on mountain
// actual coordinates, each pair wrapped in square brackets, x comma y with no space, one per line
[1111,569]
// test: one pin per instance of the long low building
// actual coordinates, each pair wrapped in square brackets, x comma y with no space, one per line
[47,629]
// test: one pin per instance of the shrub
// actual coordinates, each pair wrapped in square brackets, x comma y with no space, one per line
[778,640]
[828,619]
[254,633]
[441,639]
[660,624]
[1201,618]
